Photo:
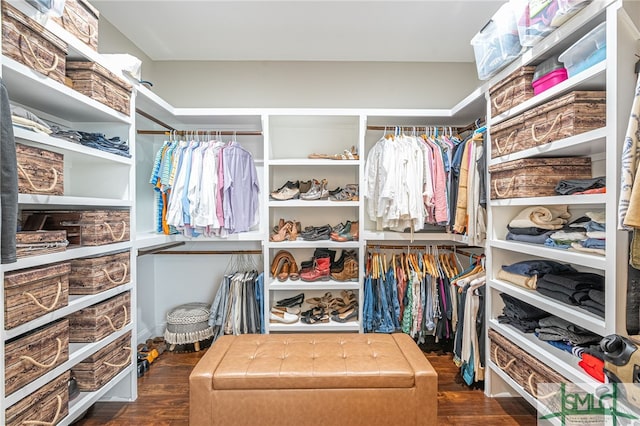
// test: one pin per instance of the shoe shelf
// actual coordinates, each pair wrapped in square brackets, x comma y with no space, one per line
[312,162]
[70,253]
[317,327]
[300,243]
[313,285]
[570,313]
[565,256]
[77,353]
[313,203]
[76,302]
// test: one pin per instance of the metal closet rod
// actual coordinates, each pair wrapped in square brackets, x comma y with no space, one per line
[423,246]
[211,132]
[188,252]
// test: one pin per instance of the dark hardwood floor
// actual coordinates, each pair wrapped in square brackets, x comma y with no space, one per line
[163,398]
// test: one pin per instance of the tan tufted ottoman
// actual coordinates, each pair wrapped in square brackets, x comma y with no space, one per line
[313,379]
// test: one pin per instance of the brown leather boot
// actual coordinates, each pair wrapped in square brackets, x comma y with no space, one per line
[349,271]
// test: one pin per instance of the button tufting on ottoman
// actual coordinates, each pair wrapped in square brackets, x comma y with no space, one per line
[334,379]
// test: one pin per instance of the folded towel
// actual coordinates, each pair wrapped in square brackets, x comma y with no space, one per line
[597,216]
[517,279]
[550,217]
[568,236]
[579,247]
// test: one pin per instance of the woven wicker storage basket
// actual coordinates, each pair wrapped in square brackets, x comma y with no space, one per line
[524,369]
[535,177]
[98,83]
[508,136]
[89,227]
[95,371]
[31,243]
[93,275]
[32,293]
[81,20]
[96,322]
[29,43]
[574,113]
[46,406]
[512,90]
[39,171]
[32,355]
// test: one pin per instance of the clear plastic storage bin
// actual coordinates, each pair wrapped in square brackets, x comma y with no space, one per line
[586,52]
[538,18]
[497,43]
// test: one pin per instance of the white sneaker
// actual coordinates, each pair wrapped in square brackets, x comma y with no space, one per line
[283,317]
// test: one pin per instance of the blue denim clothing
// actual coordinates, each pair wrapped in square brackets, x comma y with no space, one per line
[99,141]
[537,267]
[367,308]
[392,294]
[550,242]
[259,291]
[594,243]
[594,226]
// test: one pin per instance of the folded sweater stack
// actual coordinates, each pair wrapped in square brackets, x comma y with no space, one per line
[519,314]
[577,288]
[535,224]
[595,241]
[526,273]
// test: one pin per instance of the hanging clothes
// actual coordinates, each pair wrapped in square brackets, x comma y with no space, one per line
[206,188]
[237,306]
[8,180]
[412,181]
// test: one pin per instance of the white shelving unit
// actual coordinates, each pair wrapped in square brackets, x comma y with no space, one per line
[93,179]
[615,75]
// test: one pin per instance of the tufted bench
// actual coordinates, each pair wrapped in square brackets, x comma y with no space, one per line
[313,379]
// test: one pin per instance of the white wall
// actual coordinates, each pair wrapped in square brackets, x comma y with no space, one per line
[111,40]
[290,84]
[314,84]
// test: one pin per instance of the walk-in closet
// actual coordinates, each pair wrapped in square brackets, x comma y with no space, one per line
[221,213]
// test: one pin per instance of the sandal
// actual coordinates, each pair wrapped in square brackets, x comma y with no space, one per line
[347,154]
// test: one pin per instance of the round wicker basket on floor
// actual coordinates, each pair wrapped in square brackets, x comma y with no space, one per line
[188,324]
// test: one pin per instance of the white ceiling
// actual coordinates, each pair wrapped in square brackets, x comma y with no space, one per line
[301,30]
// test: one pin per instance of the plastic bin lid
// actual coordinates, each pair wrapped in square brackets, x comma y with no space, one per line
[583,48]
[546,67]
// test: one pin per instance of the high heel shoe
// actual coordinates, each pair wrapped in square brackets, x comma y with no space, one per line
[282,233]
[294,229]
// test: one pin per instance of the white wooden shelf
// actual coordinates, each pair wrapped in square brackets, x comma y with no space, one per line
[46,201]
[77,151]
[288,284]
[590,79]
[76,302]
[149,239]
[585,144]
[70,253]
[583,259]
[318,327]
[584,199]
[35,90]
[512,383]
[77,353]
[300,243]
[563,362]
[313,162]
[570,313]
[241,236]
[85,400]
[312,203]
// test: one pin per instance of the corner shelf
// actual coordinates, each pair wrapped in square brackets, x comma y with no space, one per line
[577,258]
